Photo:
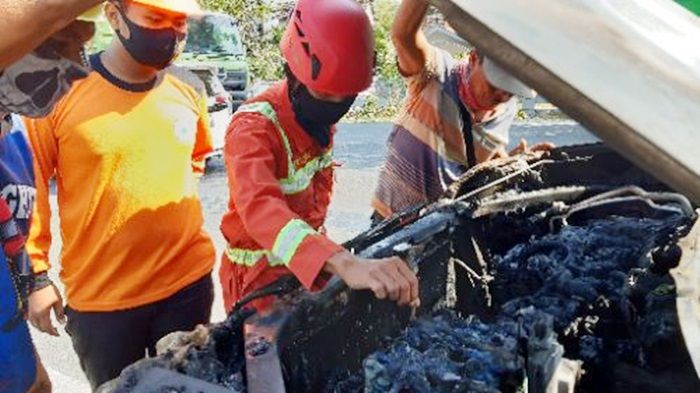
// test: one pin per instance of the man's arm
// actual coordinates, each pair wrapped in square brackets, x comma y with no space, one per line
[202,142]
[27,23]
[250,165]
[254,187]
[412,48]
[45,297]
[45,154]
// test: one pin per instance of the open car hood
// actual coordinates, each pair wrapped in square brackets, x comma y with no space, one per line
[627,70]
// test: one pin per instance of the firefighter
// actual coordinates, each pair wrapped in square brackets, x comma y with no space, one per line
[279,160]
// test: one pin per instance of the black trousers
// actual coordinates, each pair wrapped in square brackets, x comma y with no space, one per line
[107,342]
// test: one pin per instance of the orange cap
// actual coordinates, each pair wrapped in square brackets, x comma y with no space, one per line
[189,7]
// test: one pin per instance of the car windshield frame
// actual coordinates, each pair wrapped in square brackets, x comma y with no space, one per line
[213,34]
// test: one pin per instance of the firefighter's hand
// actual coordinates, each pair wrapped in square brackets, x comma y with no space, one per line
[388,278]
[40,304]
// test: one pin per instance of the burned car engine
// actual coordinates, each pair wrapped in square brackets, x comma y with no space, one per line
[537,273]
[596,286]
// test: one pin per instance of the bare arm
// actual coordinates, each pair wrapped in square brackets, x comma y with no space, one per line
[411,45]
[27,23]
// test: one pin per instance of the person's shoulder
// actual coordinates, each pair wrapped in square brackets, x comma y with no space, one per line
[441,61]
[504,117]
[92,81]
[443,55]
[439,64]
[255,114]
[261,114]
[268,104]
[75,97]
[273,92]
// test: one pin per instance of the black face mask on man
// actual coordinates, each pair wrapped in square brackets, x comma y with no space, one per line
[155,48]
[317,116]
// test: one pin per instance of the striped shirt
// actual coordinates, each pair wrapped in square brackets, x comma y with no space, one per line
[426,148]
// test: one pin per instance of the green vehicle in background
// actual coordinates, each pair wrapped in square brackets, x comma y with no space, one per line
[214,41]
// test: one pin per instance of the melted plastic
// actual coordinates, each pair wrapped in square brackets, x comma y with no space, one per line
[220,360]
[596,285]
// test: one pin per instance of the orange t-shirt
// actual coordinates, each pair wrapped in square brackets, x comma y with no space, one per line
[125,162]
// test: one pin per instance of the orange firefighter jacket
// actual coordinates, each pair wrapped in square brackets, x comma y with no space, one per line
[280,183]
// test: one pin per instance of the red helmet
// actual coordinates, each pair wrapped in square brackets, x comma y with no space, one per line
[329,46]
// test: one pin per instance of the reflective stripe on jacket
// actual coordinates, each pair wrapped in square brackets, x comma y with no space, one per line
[280,183]
[300,179]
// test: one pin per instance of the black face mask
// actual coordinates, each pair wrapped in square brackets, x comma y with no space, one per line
[155,48]
[317,116]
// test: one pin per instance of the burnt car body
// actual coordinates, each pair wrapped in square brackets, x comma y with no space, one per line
[459,247]
[574,271]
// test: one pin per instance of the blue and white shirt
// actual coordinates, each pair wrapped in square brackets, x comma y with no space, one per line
[17,359]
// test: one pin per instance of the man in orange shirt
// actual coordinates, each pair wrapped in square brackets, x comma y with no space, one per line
[278,157]
[125,146]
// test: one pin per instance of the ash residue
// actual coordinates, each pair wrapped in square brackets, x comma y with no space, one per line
[213,354]
[597,285]
[436,354]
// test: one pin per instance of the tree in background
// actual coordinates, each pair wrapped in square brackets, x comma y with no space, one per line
[384,12]
[261,24]
[389,86]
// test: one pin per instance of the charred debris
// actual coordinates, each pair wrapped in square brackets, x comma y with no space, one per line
[537,274]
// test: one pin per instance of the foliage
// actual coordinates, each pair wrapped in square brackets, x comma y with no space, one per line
[261,30]
[381,103]
[213,34]
[384,102]
[103,36]
[384,11]
[692,5]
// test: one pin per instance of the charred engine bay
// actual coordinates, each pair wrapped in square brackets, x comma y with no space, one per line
[533,272]
[597,292]
[564,261]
